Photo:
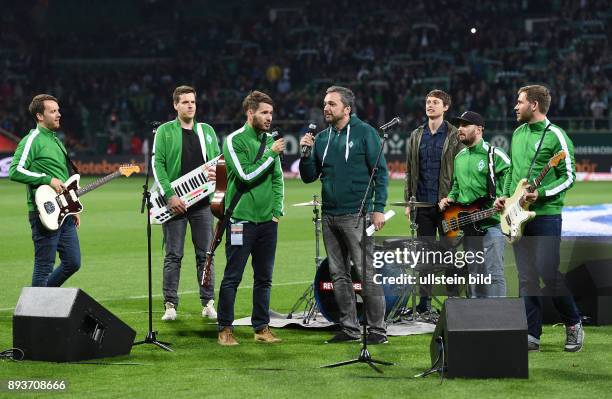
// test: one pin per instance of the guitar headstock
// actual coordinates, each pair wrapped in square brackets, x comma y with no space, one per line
[127,170]
[558,157]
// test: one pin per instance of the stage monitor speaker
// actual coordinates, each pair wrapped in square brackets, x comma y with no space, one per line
[67,325]
[482,338]
[591,285]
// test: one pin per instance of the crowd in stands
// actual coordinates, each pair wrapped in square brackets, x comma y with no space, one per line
[113,77]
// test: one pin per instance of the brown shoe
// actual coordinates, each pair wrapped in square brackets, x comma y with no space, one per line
[226,337]
[266,336]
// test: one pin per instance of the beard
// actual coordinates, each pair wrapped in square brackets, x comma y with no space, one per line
[525,116]
[468,141]
[259,124]
[333,119]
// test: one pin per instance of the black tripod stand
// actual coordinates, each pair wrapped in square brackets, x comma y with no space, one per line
[364,354]
[308,299]
[151,337]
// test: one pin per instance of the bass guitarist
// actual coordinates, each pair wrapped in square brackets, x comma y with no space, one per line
[472,181]
[538,253]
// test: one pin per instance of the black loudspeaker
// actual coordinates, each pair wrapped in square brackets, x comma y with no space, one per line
[481,338]
[591,285]
[67,325]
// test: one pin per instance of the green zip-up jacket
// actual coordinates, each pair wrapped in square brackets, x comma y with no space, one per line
[452,146]
[471,176]
[168,148]
[39,157]
[557,181]
[344,160]
[263,179]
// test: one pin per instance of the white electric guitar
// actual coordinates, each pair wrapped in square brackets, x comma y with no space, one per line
[54,208]
[516,213]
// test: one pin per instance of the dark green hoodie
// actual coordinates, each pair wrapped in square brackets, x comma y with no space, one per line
[345,171]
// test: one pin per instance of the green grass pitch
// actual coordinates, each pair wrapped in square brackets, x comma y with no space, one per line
[113,245]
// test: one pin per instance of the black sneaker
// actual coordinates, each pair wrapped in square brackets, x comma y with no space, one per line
[341,337]
[375,339]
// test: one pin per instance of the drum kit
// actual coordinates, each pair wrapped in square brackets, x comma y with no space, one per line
[318,298]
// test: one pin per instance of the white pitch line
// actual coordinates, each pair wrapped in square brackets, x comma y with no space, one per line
[244,287]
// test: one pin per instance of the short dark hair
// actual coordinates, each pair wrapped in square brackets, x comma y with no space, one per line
[537,93]
[179,91]
[252,101]
[37,106]
[346,95]
[442,95]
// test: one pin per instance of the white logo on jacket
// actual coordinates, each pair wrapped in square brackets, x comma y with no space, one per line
[481,165]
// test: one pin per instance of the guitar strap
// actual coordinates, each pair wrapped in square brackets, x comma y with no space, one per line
[537,151]
[491,184]
[69,165]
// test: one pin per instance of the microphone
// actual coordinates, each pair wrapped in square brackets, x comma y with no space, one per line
[306,150]
[277,136]
[391,124]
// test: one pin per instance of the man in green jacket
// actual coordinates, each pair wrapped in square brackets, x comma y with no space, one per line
[538,252]
[343,156]
[180,146]
[41,159]
[473,167]
[253,171]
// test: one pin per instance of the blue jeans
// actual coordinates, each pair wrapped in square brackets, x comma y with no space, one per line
[492,243]
[259,241]
[537,257]
[65,241]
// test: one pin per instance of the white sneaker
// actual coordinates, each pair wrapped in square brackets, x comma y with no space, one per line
[209,310]
[170,313]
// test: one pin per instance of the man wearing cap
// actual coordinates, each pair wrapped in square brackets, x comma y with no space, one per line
[480,171]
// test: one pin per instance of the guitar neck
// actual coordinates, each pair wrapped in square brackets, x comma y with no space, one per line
[97,183]
[536,183]
[477,216]
[540,177]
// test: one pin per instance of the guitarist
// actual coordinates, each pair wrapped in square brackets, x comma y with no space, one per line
[40,159]
[538,253]
[254,173]
[180,146]
[471,182]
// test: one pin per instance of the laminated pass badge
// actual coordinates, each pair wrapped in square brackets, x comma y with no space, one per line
[236,230]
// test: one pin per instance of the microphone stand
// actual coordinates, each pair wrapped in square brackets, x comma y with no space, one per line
[151,337]
[364,354]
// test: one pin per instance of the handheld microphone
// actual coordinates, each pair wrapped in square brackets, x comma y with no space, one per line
[391,124]
[277,136]
[306,150]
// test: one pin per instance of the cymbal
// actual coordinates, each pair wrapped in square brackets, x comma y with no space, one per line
[310,203]
[413,204]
